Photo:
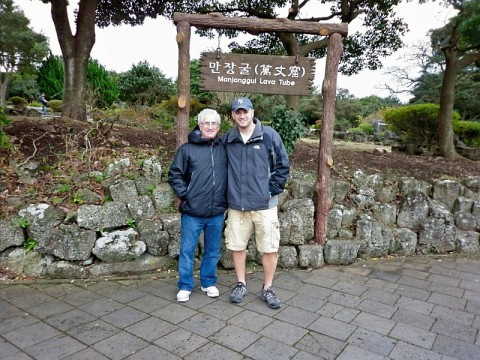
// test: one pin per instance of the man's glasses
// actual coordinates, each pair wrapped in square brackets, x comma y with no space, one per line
[210,124]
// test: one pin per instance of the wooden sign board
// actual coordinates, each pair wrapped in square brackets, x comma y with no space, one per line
[263,74]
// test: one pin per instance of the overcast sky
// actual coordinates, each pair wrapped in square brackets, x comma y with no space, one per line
[118,48]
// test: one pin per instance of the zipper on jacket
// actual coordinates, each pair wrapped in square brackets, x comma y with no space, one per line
[213,178]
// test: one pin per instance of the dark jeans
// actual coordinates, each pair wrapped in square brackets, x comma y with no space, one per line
[191,228]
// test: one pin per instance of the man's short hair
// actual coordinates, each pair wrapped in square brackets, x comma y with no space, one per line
[208,113]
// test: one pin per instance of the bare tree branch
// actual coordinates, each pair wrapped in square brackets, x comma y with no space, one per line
[35,151]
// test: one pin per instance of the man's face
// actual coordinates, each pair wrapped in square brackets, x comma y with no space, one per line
[243,118]
[209,128]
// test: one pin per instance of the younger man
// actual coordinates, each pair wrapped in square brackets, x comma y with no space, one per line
[258,168]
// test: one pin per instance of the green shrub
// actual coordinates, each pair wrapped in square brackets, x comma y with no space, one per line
[311,107]
[290,125]
[362,129]
[355,130]
[164,118]
[366,128]
[132,116]
[468,132]
[196,106]
[342,124]
[18,102]
[166,111]
[144,84]
[417,124]
[102,86]
[5,143]
[226,124]
[25,85]
[55,105]
[50,77]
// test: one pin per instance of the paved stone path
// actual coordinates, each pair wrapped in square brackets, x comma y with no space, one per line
[414,308]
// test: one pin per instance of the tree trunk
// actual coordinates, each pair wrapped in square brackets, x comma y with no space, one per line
[292,101]
[4,81]
[76,52]
[74,87]
[445,129]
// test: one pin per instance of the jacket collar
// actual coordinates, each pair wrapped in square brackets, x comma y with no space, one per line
[257,134]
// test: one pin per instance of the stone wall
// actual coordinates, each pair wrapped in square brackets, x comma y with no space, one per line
[132,229]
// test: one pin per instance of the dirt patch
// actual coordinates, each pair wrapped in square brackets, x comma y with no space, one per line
[47,140]
[67,150]
[372,158]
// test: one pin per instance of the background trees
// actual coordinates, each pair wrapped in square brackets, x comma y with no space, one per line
[76,50]
[102,86]
[145,85]
[380,33]
[24,85]
[76,47]
[449,71]
[350,111]
[50,77]
[459,41]
[102,89]
[203,96]
[380,36]
[467,91]
[20,47]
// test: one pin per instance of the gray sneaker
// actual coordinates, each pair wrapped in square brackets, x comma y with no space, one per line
[238,293]
[269,296]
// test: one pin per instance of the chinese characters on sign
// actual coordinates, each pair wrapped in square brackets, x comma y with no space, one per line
[266,74]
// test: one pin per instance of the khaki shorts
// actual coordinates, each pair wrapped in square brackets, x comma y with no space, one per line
[240,225]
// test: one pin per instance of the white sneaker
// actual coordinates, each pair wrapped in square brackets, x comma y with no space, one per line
[183,295]
[211,291]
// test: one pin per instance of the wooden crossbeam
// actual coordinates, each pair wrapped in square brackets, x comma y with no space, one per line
[256,25]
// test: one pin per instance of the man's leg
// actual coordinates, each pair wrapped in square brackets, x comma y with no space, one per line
[267,235]
[237,234]
[269,262]
[190,230]
[240,290]
[212,250]
[239,259]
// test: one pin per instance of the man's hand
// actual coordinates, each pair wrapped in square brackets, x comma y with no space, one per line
[177,203]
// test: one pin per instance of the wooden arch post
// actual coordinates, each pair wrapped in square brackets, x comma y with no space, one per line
[325,160]
[183,112]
